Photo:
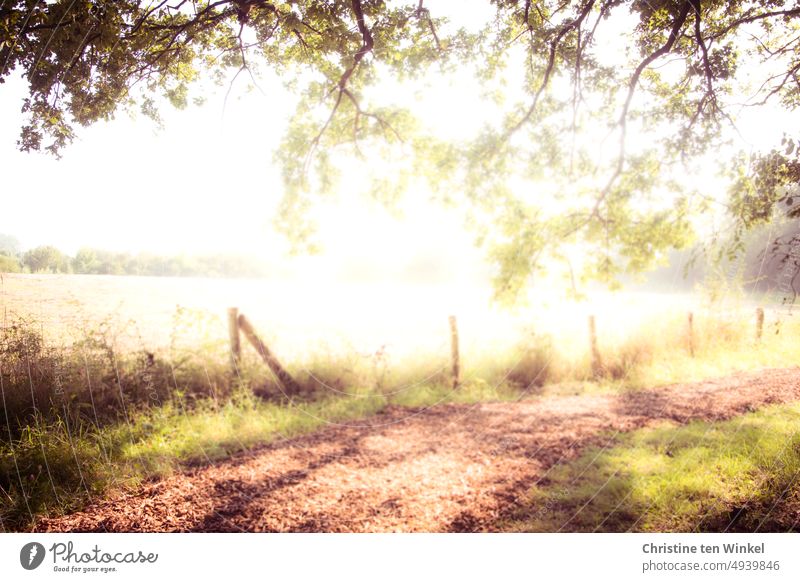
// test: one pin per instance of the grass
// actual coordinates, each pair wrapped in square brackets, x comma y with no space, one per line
[658,354]
[52,468]
[81,419]
[704,476]
[84,417]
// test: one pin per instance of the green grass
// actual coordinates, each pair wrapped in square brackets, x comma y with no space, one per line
[54,468]
[424,395]
[697,477]
[171,436]
[174,436]
[69,436]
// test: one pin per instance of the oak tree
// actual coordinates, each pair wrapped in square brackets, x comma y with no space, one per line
[599,108]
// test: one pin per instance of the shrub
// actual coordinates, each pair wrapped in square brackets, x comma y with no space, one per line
[535,363]
[9,264]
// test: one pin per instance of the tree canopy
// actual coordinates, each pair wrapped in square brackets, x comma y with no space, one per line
[597,107]
[45,259]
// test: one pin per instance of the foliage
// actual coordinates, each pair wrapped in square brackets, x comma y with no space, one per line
[100,262]
[47,259]
[90,261]
[552,165]
[535,363]
[9,264]
[86,381]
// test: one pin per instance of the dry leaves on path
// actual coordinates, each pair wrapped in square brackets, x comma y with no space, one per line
[448,468]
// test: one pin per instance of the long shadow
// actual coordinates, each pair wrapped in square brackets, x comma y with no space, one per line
[236,498]
[238,504]
[608,489]
[526,441]
[668,479]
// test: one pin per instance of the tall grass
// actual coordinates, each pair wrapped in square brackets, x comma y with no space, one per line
[82,417]
[661,351]
[90,380]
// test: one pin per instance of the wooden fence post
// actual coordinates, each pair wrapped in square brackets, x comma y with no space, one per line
[284,379]
[759,323]
[691,333]
[454,351]
[597,362]
[236,345]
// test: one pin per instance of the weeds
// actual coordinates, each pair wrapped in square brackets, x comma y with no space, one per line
[83,417]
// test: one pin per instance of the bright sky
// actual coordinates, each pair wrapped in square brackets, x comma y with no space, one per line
[206,183]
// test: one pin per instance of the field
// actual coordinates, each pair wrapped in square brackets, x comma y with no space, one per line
[307,318]
[112,382]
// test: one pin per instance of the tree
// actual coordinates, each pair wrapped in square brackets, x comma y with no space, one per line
[85,261]
[552,169]
[44,259]
[9,264]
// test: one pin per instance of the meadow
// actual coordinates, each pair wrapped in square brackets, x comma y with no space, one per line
[110,381]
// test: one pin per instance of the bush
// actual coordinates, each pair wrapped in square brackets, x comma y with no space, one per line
[9,264]
[627,359]
[535,364]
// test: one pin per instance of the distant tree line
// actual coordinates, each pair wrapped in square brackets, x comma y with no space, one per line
[90,261]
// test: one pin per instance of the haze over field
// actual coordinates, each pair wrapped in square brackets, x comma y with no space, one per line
[499,265]
[305,318]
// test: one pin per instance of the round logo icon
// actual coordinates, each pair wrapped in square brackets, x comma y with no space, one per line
[31,555]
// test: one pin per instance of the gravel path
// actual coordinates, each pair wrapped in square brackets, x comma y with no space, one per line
[448,468]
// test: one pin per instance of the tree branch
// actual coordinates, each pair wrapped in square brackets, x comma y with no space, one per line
[677,25]
[341,87]
[551,60]
[754,18]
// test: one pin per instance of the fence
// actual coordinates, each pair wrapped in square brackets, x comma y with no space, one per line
[239,324]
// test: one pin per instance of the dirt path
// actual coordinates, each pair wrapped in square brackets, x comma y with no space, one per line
[449,468]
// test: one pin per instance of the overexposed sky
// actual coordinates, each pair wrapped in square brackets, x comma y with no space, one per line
[206,182]
[124,185]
